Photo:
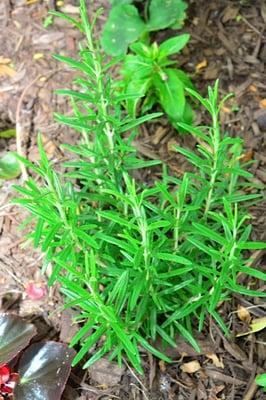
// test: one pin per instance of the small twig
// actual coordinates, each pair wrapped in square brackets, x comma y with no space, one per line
[251,391]
[135,376]
[251,26]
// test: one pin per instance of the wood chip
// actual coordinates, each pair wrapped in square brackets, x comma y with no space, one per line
[105,372]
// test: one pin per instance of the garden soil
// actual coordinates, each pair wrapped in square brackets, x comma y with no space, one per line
[228,41]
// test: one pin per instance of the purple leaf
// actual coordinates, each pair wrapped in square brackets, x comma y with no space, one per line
[44,369]
[15,334]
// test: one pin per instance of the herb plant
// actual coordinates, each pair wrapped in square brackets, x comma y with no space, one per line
[124,25]
[42,369]
[139,261]
[149,74]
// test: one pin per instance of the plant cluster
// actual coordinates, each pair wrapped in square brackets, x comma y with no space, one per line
[42,369]
[139,261]
[124,25]
[149,74]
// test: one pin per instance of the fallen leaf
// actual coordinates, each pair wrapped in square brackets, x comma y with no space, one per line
[216,361]
[6,70]
[37,56]
[191,367]
[201,65]
[257,325]
[243,314]
[4,60]
[262,104]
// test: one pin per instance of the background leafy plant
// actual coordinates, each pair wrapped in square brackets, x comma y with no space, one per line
[42,369]
[125,25]
[139,261]
[149,76]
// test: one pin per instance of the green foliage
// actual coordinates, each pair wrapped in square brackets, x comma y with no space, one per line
[148,74]
[9,166]
[139,261]
[125,25]
[261,381]
[8,133]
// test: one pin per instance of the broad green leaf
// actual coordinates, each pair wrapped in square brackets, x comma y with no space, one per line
[173,45]
[137,87]
[9,166]
[163,14]
[123,27]
[170,92]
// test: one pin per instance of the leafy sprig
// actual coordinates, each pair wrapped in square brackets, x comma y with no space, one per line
[140,262]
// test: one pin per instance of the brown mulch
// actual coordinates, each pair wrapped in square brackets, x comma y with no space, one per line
[228,41]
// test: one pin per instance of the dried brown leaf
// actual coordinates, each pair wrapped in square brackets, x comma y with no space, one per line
[216,361]
[6,70]
[191,367]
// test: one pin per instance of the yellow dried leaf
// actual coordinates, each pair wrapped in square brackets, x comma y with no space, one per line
[29,2]
[4,60]
[258,324]
[216,361]
[262,104]
[201,65]
[37,56]
[191,367]
[243,314]
[6,70]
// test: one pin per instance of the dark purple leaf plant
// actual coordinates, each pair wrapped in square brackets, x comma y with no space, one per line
[40,372]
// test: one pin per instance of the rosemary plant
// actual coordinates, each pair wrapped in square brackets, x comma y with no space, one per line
[139,262]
